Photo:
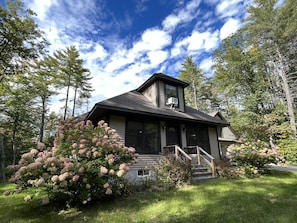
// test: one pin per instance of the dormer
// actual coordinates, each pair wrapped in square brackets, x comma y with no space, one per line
[164,91]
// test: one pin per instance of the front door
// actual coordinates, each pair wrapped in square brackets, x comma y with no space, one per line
[173,135]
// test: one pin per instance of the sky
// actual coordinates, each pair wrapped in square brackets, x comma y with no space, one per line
[124,42]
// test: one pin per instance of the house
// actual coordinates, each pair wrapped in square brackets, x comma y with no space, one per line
[226,135]
[155,120]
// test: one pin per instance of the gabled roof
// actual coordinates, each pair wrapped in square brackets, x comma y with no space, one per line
[161,76]
[134,102]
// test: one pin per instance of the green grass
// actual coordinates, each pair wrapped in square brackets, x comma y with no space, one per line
[266,199]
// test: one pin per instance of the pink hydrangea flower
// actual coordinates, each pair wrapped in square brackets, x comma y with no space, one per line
[111,161]
[75,178]
[40,182]
[108,191]
[120,173]
[40,146]
[55,178]
[74,145]
[106,185]
[81,169]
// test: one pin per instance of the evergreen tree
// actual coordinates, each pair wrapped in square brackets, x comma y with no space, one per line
[196,94]
[73,76]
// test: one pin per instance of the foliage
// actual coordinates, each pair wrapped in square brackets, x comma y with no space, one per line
[171,173]
[199,93]
[72,75]
[225,170]
[85,164]
[288,149]
[20,38]
[253,155]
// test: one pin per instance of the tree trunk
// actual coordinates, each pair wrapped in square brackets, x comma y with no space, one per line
[74,102]
[67,96]
[281,70]
[41,131]
[2,159]
[14,147]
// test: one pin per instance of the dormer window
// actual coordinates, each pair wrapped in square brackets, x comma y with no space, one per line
[171,96]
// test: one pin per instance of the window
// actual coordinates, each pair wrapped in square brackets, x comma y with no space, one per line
[143,136]
[170,91]
[198,136]
[143,173]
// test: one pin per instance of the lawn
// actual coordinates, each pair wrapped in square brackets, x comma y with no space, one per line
[270,199]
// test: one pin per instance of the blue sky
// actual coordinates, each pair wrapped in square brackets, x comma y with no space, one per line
[123,42]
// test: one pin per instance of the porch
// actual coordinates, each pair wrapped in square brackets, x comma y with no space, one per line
[202,163]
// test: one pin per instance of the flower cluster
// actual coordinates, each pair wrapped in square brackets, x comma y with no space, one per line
[85,163]
[255,154]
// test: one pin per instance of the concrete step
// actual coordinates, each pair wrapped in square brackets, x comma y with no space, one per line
[201,173]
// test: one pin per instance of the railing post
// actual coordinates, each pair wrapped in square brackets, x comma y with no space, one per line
[198,156]
[176,152]
[212,167]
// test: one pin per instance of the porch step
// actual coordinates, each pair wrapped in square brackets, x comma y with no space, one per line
[201,173]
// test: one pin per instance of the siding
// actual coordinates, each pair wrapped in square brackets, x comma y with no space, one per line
[213,142]
[145,161]
[151,93]
[118,123]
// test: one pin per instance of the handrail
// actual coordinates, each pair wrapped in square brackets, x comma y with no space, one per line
[178,150]
[209,161]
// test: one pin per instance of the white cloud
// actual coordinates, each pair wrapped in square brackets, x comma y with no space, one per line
[182,15]
[41,7]
[157,57]
[228,8]
[206,64]
[198,41]
[231,26]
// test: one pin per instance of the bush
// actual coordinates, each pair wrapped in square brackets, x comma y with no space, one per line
[253,156]
[171,173]
[85,164]
[225,170]
[288,149]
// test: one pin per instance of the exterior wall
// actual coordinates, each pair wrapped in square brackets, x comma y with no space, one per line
[183,136]
[163,135]
[227,133]
[181,99]
[213,142]
[151,93]
[118,123]
[144,162]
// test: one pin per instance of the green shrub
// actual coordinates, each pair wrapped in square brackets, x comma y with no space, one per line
[171,173]
[225,170]
[85,164]
[288,149]
[253,156]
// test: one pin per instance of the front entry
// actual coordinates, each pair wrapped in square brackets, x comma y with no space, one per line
[173,135]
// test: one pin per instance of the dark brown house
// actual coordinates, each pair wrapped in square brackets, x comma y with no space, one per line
[154,117]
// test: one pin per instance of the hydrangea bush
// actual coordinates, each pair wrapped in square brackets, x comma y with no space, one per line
[254,155]
[86,163]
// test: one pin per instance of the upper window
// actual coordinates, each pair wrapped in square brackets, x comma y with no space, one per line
[171,92]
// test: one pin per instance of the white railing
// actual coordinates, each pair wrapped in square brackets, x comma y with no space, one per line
[179,153]
[183,156]
[206,157]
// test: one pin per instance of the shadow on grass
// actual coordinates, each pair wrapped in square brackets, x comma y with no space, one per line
[271,198]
